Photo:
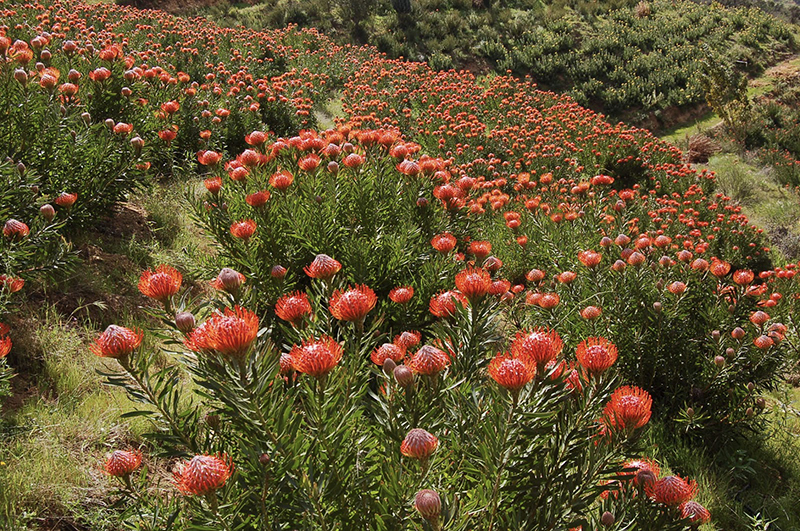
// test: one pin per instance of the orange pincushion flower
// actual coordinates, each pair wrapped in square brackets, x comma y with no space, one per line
[354,304]
[160,284]
[353,160]
[444,303]
[5,346]
[203,474]
[591,312]
[230,333]
[316,357]
[473,283]
[258,199]
[419,444]
[511,373]
[444,243]
[66,200]
[281,180]
[213,184]
[719,268]
[293,307]
[116,342]
[407,339]
[122,463]
[549,300]
[696,513]
[537,347]
[759,318]
[596,354]
[401,294]
[676,288]
[590,258]
[309,163]
[535,275]
[629,408]
[673,490]
[480,249]
[428,360]
[12,284]
[15,230]
[743,276]
[647,471]
[243,229]
[323,267]
[209,158]
[387,351]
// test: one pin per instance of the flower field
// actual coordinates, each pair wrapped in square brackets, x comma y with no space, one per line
[459,307]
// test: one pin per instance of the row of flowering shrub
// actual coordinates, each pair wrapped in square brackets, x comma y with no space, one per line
[699,333]
[328,419]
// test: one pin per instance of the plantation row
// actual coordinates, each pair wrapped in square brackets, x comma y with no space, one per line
[471,295]
[614,56]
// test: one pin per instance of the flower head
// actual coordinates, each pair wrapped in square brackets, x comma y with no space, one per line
[407,339]
[15,230]
[696,513]
[429,505]
[510,373]
[323,267]
[629,408]
[419,444]
[12,284]
[203,474]
[293,307]
[122,463]
[243,229]
[481,249]
[473,283]
[160,284]
[444,303]
[401,294]
[647,471]
[428,360]
[444,243]
[117,342]
[387,351]
[673,490]
[596,354]
[5,346]
[316,357]
[230,333]
[537,347]
[228,280]
[354,304]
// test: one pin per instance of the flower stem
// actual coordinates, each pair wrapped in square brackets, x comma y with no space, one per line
[506,454]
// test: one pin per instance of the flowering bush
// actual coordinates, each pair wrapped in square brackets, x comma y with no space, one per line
[343,426]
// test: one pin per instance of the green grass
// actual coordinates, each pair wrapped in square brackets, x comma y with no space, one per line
[54,444]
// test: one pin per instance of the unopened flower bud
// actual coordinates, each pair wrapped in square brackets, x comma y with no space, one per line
[730,352]
[690,412]
[47,212]
[751,386]
[738,333]
[86,117]
[404,376]
[389,366]
[137,143]
[715,335]
[333,167]
[230,279]
[607,519]
[719,361]
[657,307]
[761,403]
[185,322]
[264,459]
[21,168]
[429,505]
[278,271]
[109,123]
[749,413]
[21,76]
